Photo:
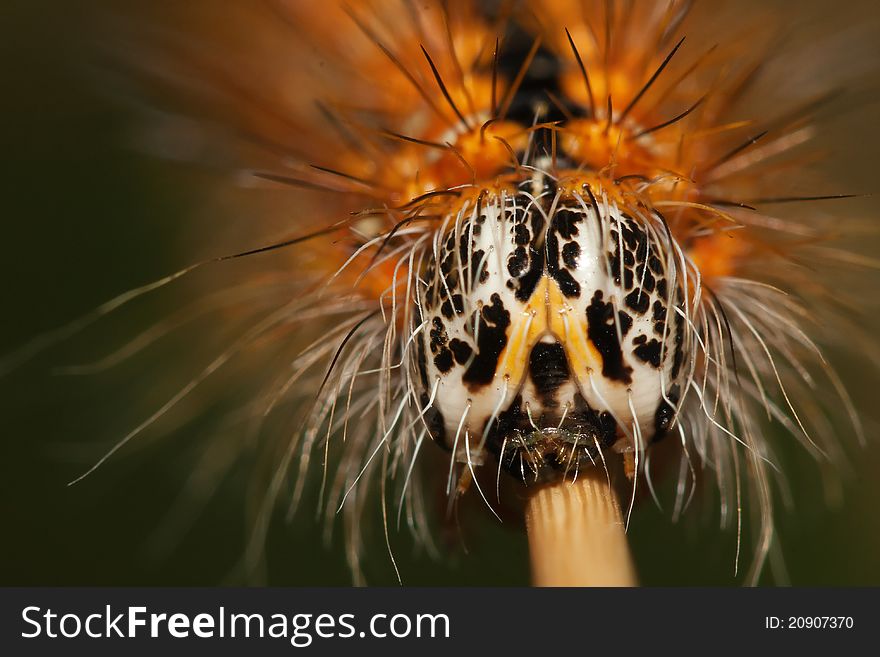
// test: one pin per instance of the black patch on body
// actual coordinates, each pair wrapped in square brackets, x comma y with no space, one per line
[541,76]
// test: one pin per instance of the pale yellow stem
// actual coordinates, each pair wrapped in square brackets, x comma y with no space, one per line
[576,535]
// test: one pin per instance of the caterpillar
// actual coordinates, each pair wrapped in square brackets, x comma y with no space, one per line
[529,238]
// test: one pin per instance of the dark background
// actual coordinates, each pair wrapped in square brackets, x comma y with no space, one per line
[86,215]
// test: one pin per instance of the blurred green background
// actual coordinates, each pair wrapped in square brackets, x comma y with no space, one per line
[86,215]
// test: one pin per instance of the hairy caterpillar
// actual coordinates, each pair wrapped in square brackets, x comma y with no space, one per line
[544,240]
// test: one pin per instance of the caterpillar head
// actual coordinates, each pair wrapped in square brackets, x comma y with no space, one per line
[552,329]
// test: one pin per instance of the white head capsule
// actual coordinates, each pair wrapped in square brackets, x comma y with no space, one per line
[553,329]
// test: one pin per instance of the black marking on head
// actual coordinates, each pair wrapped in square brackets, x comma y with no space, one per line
[449,244]
[449,274]
[662,289]
[460,350]
[421,360]
[517,262]
[443,360]
[614,266]
[526,263]
[569,287]
[565,222]
[453,306]
[665,415]
[602,332]
[638,300]
[625,321]
[509,422]
[648,351]
[571,252]
[437,335]
[536,221]
[658,311]
[477,267]
[494,322]
[439,347]
[678,341]
[563,228]
[464,244]
[431,291]
[434,422]
[635,237]
[658,317]
[548,368]
[529,281]
[645,278]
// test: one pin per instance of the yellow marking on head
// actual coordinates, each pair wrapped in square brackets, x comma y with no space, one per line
[548,311]
[570,328]
[525,330]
